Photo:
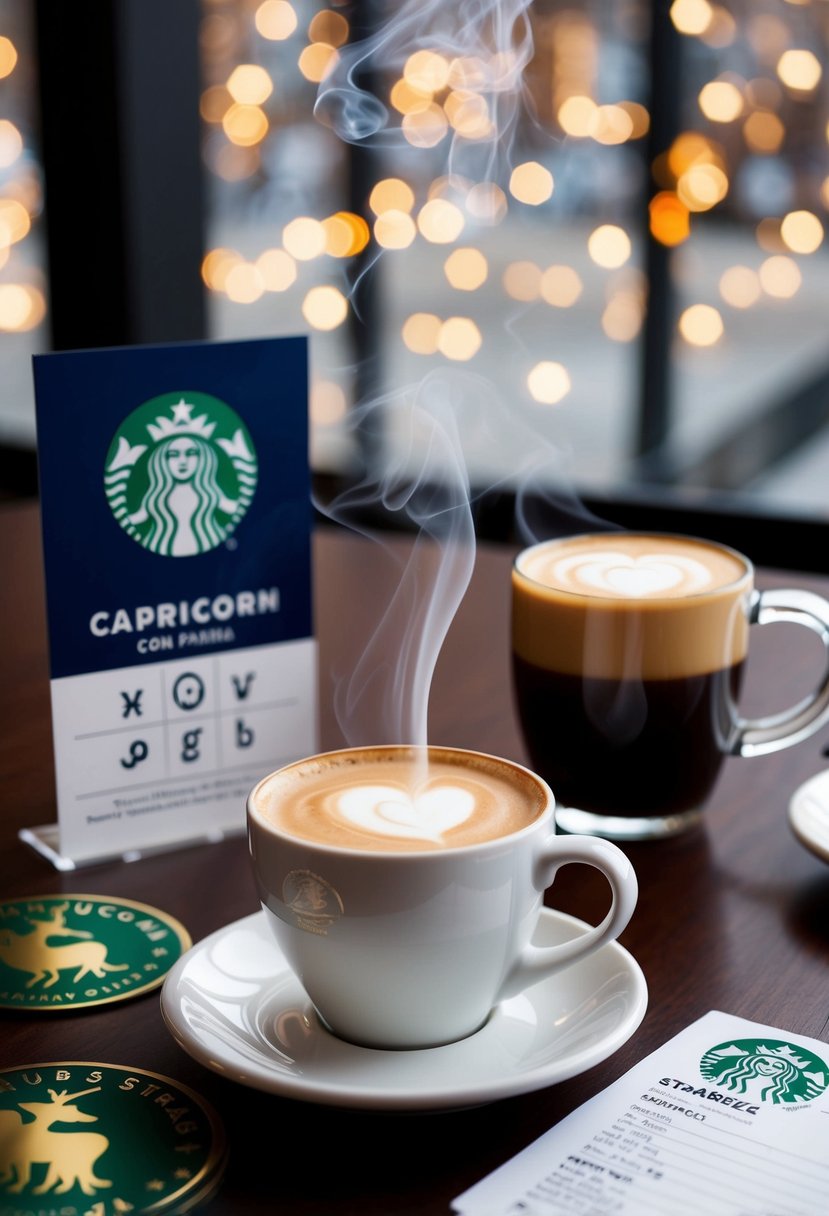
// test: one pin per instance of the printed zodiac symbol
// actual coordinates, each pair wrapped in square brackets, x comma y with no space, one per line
[21,950]
[138,752]
[69,1156]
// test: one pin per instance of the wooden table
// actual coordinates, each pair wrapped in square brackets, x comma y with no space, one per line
[733,917]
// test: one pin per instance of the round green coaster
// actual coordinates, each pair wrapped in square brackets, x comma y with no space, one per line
[103,1139]
[71,951]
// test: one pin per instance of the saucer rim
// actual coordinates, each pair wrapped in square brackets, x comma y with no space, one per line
[407,1098]
[799,818]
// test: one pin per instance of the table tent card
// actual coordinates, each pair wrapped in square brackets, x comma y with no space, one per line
[176,518]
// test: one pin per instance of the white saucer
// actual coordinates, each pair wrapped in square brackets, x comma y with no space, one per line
[809,814]
[232,1003]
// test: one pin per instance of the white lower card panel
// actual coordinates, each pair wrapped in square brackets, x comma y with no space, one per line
[163,753]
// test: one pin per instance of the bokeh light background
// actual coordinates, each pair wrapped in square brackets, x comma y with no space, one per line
[532,277]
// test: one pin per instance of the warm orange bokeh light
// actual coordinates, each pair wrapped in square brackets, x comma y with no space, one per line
[317,61]
[701,325]
[522,281]
[328,27]
[276,20]
[548,382]
[346,234]
[421,332]
[459,339]
[304,238]
[325,307]
[216,266]
[245,125]
[394,229]
[8,57]
[440,221]
[670,221]
[15,222]
[691,16]
[249,84]
[531,183]
[391,194]
[560,286]
[609,246]
[21,307]
[763,132]
[327,403]
[425,128]
[277,268]
[427,71]
[466,269]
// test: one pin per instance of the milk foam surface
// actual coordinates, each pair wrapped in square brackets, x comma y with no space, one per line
[629,606]
[624,566]
[385,800]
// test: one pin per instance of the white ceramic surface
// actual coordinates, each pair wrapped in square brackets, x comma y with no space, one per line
[412,949]
[809,814]
[233,1004]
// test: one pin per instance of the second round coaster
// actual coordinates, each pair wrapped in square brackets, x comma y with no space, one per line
[103,1139]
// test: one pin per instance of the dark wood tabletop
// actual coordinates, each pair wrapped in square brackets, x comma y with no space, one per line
[733,916]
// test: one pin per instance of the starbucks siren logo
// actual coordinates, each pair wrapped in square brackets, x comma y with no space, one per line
[180,473]
[773,1070]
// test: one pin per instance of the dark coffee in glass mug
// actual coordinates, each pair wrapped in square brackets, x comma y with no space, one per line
[628,653]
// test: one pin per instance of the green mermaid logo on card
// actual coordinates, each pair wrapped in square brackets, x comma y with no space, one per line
[180,473]
[769,1069]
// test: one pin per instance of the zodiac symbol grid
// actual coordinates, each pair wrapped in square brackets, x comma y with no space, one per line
[188,737]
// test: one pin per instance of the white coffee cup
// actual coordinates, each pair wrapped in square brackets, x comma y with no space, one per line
[410,941]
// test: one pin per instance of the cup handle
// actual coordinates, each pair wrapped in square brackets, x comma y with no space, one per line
[536,963]
[757,736]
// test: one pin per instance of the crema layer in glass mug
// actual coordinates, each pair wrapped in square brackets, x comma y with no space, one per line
[628,655]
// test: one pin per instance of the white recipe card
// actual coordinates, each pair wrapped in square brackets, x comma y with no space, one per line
[729,1118]
[176,516]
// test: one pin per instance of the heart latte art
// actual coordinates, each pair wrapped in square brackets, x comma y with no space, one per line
[386,811]
[630,567]
[387,800]
[633,577]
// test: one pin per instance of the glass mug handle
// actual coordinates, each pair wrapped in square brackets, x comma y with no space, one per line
[757,736]
[535,963]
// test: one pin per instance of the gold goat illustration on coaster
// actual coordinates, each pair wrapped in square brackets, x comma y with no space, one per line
[33,953]
[69,1156]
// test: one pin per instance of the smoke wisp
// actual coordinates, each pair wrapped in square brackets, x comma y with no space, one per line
[486,44]
[428,435]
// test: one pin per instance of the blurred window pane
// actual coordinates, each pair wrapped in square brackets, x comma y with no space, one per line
[484,207]
[23,289]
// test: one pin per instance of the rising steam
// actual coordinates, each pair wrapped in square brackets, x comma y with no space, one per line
[424,488]
[440,426]
[487,44]
[385,700]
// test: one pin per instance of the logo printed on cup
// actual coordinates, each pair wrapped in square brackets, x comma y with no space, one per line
[313,901]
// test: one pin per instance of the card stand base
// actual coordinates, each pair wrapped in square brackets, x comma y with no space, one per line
[46,843]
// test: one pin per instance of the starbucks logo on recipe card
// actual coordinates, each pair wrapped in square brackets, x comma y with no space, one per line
[180,473]
[770,1070]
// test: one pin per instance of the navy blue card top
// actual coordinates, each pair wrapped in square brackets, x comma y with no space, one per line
[175,499]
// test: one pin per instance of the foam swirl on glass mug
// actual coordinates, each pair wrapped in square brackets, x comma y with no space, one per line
[403,886]
[628,656]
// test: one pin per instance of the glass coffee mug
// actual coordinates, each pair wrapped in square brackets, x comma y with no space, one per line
[628,652]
